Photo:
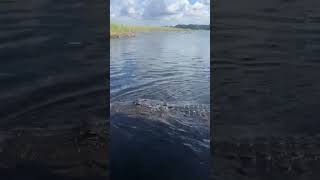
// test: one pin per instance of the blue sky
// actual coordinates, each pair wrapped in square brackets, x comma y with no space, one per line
[160,12]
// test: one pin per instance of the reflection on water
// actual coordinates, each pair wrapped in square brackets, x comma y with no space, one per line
[170,67]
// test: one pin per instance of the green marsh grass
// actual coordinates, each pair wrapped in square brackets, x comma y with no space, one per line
[117,30]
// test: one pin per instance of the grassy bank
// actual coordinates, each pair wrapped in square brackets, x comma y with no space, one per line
[118,30]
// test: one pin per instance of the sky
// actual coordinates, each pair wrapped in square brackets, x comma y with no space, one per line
[160,12]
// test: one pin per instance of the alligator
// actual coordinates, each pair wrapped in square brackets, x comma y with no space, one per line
[184,120]
[184,112]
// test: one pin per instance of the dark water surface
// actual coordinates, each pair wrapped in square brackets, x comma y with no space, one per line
[266,89]
[53,75]
[170,67]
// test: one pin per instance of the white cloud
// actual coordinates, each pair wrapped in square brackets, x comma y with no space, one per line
[127,8]
[206,2]
[178,6]
[161,11]
[198,9]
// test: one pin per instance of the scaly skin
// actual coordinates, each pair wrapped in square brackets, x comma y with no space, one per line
[159,110]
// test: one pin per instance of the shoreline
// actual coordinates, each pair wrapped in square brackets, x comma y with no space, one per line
[133,34]
[119,30]
[121,35]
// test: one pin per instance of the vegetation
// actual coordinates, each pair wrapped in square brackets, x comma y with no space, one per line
[193,26]
[118,30]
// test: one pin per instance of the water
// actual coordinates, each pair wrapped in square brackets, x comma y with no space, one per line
[49,52]
[266,61]
[266,87]
[52,75]
[171,67]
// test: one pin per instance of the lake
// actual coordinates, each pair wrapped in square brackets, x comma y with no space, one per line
[166,66]
[169,67]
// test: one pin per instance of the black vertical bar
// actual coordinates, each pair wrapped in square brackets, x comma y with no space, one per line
[53,86]
[266,92]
